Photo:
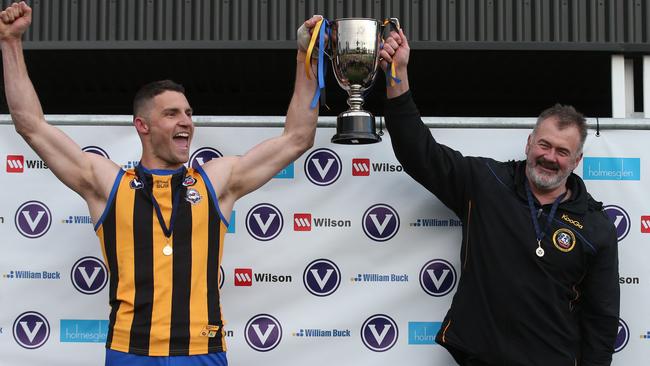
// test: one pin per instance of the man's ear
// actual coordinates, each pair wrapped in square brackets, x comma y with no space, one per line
[578,159]
[141,125]
[530,137]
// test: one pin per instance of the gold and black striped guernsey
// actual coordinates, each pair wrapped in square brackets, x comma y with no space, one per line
[163,305]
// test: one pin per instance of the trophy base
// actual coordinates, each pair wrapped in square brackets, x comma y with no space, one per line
[355,128]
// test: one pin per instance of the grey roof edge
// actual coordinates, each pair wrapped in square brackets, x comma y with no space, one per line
[289,45]
[434,24]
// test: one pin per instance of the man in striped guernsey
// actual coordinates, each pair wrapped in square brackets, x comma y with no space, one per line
[161,225]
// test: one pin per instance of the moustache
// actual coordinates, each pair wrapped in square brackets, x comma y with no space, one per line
[547,164]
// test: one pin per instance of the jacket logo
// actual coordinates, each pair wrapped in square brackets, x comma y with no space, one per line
[571,221]
[564,240]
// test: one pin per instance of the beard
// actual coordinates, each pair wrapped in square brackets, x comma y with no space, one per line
[545,180]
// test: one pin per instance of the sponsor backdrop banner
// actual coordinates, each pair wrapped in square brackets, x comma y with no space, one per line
[341,259]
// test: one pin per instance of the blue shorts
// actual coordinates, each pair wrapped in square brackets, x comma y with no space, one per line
[116,358]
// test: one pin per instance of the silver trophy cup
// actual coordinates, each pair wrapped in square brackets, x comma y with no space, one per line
[355,57]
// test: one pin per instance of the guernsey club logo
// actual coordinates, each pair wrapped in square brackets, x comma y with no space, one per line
[621,220]
[89,275]
[622,337]
[323,167]
[33,219]
[380,222]
[31,330]
[96,150]
[379,333]
[203,155]
[438,277]
[321,277]
[264,222]
[263,332]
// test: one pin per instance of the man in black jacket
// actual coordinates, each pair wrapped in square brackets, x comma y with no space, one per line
[539,280]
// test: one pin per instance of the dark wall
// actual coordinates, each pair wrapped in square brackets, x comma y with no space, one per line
[259,82]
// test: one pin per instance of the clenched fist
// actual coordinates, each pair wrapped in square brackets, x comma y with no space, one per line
[15,20]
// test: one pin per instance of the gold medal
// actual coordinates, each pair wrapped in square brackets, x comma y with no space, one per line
[162,185]
[168,250]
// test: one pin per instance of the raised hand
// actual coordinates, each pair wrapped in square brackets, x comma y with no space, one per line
[14,21]
[304,33]
[396,50]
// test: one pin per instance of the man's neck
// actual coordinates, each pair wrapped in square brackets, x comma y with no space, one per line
[155,164]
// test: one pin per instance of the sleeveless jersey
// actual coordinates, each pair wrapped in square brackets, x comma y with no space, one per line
[163,305]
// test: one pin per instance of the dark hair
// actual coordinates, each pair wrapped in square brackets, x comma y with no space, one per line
[566,116]
[149,91]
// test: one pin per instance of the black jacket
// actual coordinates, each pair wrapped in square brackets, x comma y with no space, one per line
[512,307]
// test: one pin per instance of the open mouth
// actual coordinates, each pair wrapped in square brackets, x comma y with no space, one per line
[182,140]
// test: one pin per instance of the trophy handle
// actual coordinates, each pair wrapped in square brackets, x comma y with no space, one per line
[390,25]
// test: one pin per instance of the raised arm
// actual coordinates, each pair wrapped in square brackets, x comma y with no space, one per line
[441,170]
[237,176]
[82,172]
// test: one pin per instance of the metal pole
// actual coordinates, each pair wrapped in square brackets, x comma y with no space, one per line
[618,86]
[90,120]
[646,86]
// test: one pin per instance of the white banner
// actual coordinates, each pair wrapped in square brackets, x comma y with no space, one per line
[343,272]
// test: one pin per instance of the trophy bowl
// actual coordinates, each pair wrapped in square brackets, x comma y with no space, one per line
[355,57]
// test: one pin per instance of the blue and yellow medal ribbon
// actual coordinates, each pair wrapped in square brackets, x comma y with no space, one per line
[391,76]
[310,48]
[320,31]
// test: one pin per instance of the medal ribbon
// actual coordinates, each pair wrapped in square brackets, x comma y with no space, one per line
[161,220]
[391,76]
[320,31]
[531,204]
